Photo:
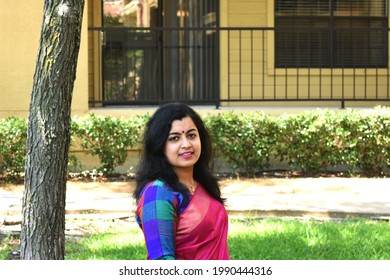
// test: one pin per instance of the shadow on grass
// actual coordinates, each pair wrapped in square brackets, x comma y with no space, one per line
[107,246]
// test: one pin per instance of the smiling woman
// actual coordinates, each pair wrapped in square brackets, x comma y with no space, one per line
[183,149]
[179,204]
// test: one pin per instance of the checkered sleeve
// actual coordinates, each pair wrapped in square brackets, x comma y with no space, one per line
[157,216]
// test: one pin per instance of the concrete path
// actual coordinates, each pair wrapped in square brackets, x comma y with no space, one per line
[313,197]
[304,197]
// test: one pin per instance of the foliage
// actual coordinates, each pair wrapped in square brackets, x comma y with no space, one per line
[108,138]
[311,141]
[315,140]
[370,139]
[305,140]
[9,246]
[246,140]
[13,137]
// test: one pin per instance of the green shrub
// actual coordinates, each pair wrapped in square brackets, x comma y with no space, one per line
[311,141]
[314,140]
[13,137]
[370,138]
[308,141]
[345,144]
[108,138]
[246,141]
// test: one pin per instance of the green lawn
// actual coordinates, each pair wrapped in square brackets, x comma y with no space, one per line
[271,239]
[288,239]
[249,239]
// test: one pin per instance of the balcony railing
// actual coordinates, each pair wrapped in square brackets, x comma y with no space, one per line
[150,66]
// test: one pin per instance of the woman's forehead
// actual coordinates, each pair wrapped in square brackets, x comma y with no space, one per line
[185,123]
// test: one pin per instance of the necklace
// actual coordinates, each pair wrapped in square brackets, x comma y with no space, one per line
[191,187]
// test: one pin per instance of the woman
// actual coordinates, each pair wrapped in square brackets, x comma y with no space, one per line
[179,203]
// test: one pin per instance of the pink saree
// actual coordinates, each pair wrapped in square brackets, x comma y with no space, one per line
[202,229]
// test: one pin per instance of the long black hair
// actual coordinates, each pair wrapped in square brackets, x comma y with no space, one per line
[154,164]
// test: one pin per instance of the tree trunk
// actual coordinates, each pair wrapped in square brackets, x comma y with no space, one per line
[43,225]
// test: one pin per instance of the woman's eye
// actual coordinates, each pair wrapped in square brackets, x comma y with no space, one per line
[192,135]
[174,138]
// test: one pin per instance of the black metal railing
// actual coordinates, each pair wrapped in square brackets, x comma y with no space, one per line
[150,66]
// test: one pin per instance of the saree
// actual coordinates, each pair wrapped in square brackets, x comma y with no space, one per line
[202,229]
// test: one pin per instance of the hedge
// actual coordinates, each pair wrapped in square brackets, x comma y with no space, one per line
[310,142]
[13,137]
[246,141]
[108,138]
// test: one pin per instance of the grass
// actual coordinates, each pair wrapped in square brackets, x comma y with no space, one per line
[249,239]
[288,239]
[254,239]
[9,246]
[118,240]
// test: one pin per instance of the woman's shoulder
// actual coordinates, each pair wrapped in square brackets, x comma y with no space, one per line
[158,184]
[159,188]
[158,192]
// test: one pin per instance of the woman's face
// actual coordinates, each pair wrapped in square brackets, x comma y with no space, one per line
[183,146]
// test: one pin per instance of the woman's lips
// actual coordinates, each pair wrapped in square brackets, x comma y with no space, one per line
[186,155]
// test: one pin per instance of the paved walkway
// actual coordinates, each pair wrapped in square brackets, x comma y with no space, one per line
[318,197]
[303,197]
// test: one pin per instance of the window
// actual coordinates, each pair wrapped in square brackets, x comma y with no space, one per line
[160,50]
[331,33]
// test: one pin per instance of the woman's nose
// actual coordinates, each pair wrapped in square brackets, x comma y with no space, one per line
[185,143]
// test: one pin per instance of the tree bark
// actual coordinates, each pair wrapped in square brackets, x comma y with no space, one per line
[43,224]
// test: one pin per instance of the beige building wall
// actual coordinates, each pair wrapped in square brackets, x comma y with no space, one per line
[19,36]
[20,26]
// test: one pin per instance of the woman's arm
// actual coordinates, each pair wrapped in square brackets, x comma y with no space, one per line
[156,213]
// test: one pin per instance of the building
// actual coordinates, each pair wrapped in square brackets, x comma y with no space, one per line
[222,53]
